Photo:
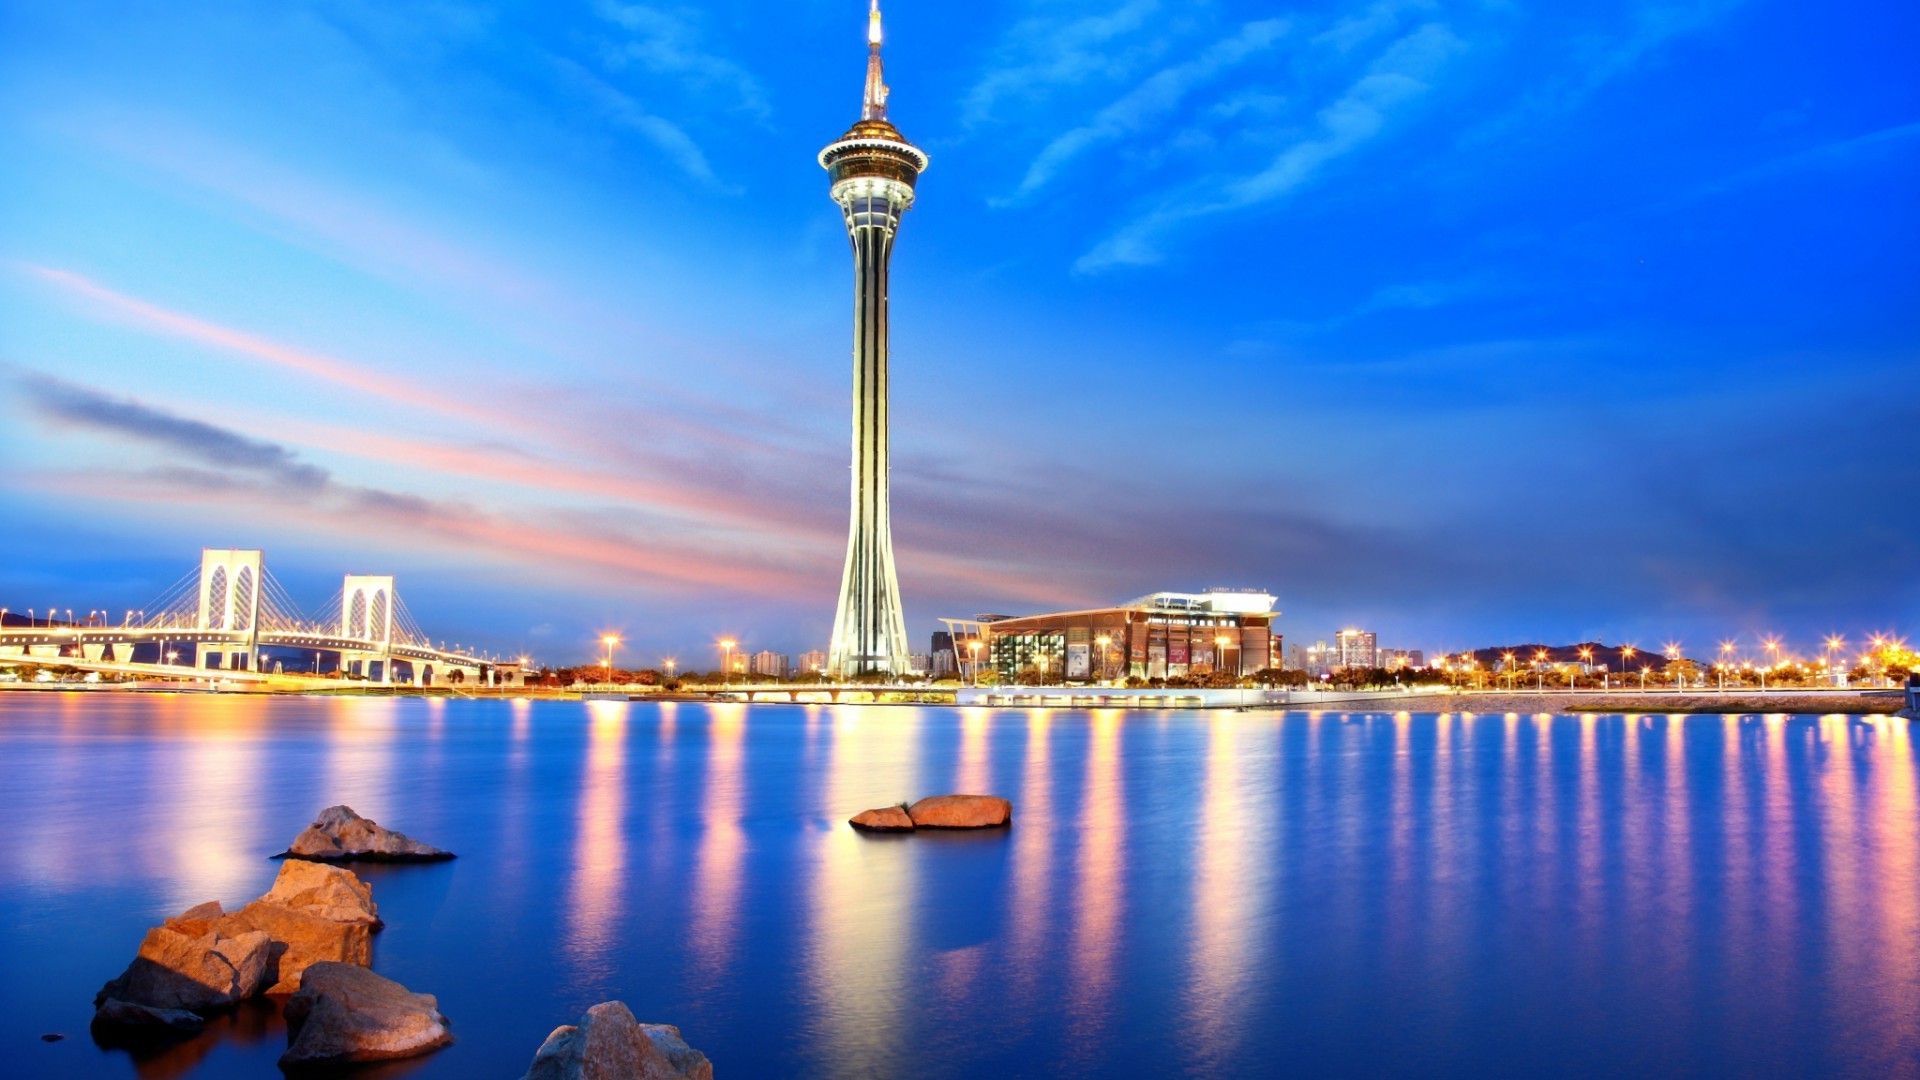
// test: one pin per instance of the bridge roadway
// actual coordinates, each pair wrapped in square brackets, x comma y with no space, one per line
[20,645]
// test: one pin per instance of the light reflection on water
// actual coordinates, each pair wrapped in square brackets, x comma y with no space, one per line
[1180,894]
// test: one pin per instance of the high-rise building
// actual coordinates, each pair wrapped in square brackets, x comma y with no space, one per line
[813,662]
[1355,649]
[771,664]
[873,170]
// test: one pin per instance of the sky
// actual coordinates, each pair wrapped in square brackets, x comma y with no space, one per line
[1467,323]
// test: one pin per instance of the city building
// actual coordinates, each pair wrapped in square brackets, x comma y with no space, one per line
[1403,658]
[771,664]
[813,662]
[1355,649]
[919,663]
[1164,635]
[872,170]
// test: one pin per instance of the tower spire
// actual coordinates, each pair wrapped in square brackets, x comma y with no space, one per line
[876,102]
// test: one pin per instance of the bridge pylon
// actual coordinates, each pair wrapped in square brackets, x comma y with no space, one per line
[229,598]
[366,612]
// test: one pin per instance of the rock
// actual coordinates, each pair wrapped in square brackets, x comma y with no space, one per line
[194,971]
[340,835]
[300,940]
[327,892]
[344,1014]
[884,819]
[961,812]
[691,1063]
[609,1044]
[127,1015]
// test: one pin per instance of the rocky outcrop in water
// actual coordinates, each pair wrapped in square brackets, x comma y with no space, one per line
[609,1043]
[185,969]
[340,835]
[961,812]
[344,1014]
[884,819]
[206,958]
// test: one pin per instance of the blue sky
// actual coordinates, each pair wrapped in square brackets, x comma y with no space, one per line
[1466,322]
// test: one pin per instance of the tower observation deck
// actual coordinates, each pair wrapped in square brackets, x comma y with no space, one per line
[873,170]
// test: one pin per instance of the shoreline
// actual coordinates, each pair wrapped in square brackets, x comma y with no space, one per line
[1707,703]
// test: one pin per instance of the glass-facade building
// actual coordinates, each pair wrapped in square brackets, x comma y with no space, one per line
[1166,635]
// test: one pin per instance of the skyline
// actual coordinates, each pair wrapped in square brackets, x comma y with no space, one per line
[462,298]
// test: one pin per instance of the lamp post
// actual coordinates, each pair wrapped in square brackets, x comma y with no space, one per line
[973,648]
[1220,652]
[669,663]
[1510,672]
[1643,678]
[1539,671]
[1834,645]
[609,641]
[726,662]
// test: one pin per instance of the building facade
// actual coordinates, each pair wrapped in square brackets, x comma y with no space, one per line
[1166,635]
[813,662]
[771,664]
[1355,649]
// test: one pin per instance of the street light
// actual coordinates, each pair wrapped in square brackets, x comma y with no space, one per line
[973,647]
[726,662]
[609,641]
[670,662]
[1220,652]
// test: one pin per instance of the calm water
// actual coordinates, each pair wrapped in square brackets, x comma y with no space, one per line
[1181,893]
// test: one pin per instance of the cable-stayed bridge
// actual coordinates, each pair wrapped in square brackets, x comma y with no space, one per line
[230,617]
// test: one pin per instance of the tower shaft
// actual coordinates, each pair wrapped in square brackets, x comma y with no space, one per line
[869,626]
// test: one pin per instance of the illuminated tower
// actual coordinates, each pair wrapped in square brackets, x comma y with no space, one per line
[873,170]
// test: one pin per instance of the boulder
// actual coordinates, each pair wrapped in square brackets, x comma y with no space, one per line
[327,892]
[961,812]
[884,819]
[192,968]
[609,1043]
[344,1014]
[300,940]
[128,1016]
[340,835]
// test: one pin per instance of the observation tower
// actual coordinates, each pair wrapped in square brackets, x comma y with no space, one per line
[873,169]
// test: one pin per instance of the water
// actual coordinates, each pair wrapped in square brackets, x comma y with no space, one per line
[1204,894]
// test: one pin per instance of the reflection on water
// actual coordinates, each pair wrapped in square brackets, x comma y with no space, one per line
[1180,894]
[716,885]
[862,911]
[597,885]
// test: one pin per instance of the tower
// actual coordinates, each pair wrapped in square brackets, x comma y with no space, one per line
[873,170]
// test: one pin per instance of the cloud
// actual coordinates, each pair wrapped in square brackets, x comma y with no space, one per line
[1401,74]
[670,43]
[621,109]
[1043,54]
[1379,18]
[1151,101]
[1596,60]
[72,405]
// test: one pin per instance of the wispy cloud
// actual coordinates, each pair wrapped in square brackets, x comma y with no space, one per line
[1148,103]
[319,365]
[671,43]
[1045,53]
[1600,57]
[64,403]
[622,109]
[1402,73]
[1377,20]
